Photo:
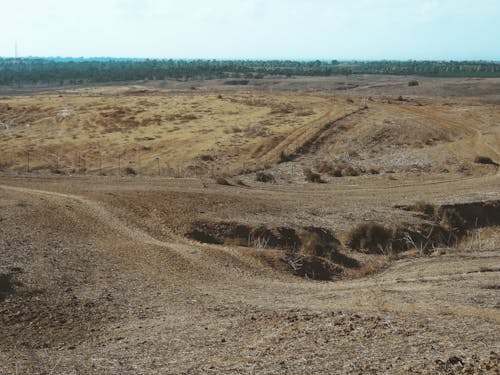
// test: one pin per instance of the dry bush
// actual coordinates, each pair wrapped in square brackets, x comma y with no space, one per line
[425,208]
[313,244]
[312,177]
[265,177]
[350,171]
[320,243]
[370,237]
[284,157]
[324,167]
[451,218]
[207,157]
[130,171]
[336,172]
[316,268]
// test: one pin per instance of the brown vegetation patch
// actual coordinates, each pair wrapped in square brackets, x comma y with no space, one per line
[312,177]
[265,177]
[371,237]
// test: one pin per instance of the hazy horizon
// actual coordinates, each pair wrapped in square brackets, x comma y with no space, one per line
[253,29]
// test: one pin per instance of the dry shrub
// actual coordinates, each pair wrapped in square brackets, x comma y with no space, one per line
[451,218]
[425,208]
[324,167]
[370,237]
[313,244]
[317,268]
[312,177]
[350,171]
[336,172]
[265,177]
[284,157]
[207,157]
[317,242]
[130,171]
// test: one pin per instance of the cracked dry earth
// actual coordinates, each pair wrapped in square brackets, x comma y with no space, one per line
[85,289]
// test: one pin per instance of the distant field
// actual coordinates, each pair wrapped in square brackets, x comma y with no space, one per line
[221,130]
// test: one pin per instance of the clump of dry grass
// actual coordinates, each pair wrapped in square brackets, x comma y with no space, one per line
[130,171]
[312,177]
[425,208]
[350,171]
[451,218]
[207,157]
[338,168]
[315,245]
[265,177]
[317,268]
[369,237]
[284,157]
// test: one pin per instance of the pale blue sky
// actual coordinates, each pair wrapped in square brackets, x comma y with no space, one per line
[300,29]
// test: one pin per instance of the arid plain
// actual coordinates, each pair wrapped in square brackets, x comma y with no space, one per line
[302,225]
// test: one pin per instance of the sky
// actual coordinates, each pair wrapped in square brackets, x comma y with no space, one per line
[253,29]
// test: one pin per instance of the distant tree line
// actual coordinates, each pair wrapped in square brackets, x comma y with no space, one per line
[59,71]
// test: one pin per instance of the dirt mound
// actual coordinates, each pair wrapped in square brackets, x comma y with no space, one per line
[284,238]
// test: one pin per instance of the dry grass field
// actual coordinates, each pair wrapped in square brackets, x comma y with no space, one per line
[344,225]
